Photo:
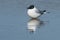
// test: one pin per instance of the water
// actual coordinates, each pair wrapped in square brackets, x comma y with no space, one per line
[15,24]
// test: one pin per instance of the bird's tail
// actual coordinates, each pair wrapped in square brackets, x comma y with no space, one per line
[44,10]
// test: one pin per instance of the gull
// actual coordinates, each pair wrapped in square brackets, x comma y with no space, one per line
[33,12]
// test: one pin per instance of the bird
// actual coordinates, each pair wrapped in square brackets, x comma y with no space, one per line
[33,12]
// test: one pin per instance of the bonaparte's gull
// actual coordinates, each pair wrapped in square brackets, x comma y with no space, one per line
[33,12]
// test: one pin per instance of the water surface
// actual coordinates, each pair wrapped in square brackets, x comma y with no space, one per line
[14,20]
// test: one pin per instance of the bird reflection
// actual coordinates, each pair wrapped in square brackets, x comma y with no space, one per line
[33,24]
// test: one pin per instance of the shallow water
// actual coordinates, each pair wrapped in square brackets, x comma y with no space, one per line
[15,23]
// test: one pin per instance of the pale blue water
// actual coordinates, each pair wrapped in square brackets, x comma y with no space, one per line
[14,19]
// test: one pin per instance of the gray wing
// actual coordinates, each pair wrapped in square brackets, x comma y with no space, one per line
[39,11]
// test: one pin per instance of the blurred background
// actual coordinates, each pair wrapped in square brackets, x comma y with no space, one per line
[15,24]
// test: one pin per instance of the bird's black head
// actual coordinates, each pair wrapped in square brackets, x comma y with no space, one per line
[31,7]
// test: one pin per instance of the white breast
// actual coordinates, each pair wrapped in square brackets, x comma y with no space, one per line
[32,13]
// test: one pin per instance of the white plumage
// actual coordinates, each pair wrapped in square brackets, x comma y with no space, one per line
[33,12]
